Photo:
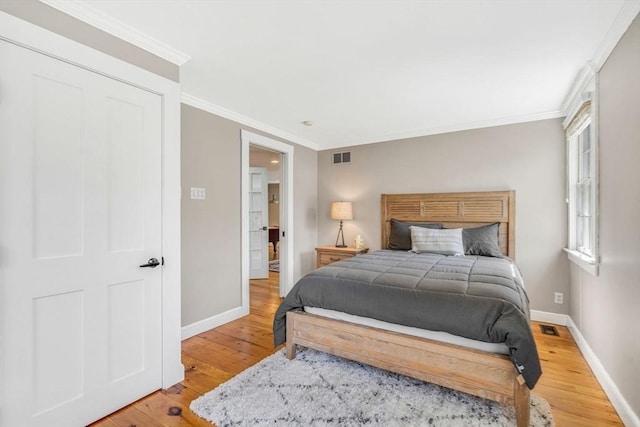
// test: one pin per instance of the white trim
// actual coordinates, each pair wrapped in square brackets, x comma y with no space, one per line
[625,17]
[20,32]
[548,317]
[585,88]
[244,120]
[16,31]
[173,370]
[255,124]
[108,24]
[98,19]
[574,98]
[245,263]
[502,121]
[582,261]
[629,418]
[286,210]
[239,118]
[213,322]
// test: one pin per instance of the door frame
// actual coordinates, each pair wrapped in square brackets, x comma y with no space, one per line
[30,36]
[286,211]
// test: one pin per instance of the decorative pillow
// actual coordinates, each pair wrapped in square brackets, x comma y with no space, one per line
[400,235]
[445,241]
[482,240]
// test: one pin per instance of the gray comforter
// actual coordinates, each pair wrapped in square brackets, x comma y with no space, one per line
[476,297]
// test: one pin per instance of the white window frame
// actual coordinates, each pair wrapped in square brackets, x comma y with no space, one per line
[583,115]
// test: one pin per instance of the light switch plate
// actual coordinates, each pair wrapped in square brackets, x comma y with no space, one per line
[197,193]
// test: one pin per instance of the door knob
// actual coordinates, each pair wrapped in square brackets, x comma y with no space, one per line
[153,263]
[264,228]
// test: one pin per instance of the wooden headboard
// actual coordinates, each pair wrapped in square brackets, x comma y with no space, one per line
[455,210]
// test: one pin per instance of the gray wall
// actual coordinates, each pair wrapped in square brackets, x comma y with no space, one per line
[606,308]
[528,158]
[58,22]
[211,228]
[210,158]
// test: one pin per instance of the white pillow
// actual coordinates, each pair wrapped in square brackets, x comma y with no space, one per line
[446,241]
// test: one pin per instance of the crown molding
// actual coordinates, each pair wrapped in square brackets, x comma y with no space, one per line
[110,25]
[573,99]
[244,120]
[255,124]
[503,121]
[627,14]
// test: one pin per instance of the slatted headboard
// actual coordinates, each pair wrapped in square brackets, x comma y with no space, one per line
[455,210]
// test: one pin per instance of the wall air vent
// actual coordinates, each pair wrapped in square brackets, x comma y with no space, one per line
[340,158]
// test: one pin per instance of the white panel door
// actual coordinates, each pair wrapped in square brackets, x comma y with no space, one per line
[258,220]
[80,211]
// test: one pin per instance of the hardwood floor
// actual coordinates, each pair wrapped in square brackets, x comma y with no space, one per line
[567,383]
[215,356]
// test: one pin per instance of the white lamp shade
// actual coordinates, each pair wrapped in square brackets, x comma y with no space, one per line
[341,210]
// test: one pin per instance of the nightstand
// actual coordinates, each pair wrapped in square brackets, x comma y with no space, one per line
[328,254]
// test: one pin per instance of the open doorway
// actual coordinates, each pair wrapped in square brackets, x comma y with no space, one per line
[267,211]
[264,213]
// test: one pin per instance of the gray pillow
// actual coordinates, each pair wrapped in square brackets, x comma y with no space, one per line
[482,240]
[400,235]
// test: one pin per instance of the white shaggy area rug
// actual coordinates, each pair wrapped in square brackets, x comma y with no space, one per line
[318,389]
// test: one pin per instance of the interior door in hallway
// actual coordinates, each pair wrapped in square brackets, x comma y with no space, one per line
[80,197]
[258,223]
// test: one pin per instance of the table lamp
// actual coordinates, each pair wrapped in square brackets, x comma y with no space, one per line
[341,211]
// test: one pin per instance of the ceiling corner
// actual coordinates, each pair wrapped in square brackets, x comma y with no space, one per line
[218,110]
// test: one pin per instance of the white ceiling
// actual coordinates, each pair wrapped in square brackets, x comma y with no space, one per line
[369,71]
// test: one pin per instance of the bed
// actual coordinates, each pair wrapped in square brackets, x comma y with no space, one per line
[490,374]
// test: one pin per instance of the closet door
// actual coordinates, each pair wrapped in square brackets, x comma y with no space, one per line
[80,197]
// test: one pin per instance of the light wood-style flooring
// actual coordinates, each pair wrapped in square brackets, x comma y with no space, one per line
[215,356]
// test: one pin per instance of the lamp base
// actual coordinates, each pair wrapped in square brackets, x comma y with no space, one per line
[340,234]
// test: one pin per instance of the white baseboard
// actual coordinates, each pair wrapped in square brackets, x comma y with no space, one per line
[546,317]
[629,418]
[213,322]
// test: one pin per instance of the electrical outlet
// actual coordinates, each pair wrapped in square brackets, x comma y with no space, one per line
[197,193]
[558,297]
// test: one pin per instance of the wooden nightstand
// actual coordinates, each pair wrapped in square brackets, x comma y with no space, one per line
[328,254]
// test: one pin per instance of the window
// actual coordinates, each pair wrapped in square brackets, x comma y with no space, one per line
[582,188]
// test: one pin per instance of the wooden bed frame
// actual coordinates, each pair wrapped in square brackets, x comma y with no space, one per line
[488,375]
